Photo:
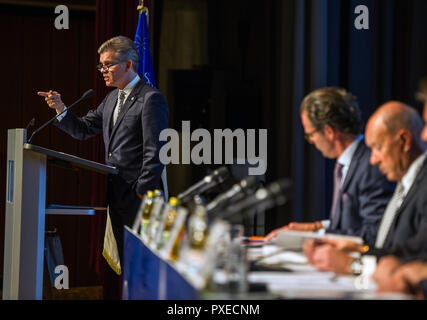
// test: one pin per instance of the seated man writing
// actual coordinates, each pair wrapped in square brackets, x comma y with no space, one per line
[332,123]
[393,133]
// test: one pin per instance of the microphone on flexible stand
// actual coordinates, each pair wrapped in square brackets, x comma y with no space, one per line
[275,194]
[208,182]
[85,95]
[239,190]
[31,123]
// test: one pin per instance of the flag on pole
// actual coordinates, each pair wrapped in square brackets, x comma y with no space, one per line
[145,65]
[142,43]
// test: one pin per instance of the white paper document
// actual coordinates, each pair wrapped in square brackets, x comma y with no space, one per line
[295,239]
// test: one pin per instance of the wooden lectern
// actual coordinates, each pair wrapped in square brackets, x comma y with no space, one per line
[25,213]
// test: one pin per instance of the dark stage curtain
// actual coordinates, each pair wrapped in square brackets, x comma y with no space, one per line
[318,45]
[268,55]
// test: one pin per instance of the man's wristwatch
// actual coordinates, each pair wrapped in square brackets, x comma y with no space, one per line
[357,266]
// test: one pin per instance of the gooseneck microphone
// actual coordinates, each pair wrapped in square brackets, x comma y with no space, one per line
[239,190]
[210,181]
[275,194]
[31,123]
[85,95]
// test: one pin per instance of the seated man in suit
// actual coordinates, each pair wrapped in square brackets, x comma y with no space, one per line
[393,132]
[392,273]
[331,121]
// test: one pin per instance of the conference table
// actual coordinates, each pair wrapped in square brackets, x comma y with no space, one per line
[272,273]
[287,275]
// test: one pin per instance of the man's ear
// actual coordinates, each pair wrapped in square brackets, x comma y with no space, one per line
[129,65]
[329,132]
[405,138]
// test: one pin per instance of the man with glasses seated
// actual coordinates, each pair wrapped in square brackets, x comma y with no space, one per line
[130,119]
[332,122]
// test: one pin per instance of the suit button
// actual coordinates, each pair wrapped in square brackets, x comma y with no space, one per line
[110,155]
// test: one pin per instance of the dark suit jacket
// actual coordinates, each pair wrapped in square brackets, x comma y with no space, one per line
[423,287]
[407,237]
[363,198]
[132,146]
[415,248]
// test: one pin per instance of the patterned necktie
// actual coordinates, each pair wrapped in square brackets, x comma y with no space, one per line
[122,96]
[389,214]
[337,186]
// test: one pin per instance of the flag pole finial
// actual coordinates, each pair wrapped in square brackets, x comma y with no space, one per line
[140,6]
[142,9]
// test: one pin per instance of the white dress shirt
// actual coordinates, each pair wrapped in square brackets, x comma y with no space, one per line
[128,89]
[409,178]
[345,159]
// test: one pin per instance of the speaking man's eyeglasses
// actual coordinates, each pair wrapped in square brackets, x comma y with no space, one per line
[307,136]
[100,67]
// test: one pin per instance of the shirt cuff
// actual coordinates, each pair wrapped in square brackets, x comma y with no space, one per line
[423,286]
[62,116]
[369,264]
[325,223]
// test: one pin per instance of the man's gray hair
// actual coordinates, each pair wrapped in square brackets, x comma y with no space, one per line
[124,49]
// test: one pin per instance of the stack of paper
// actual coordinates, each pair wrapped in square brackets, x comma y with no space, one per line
[294,240]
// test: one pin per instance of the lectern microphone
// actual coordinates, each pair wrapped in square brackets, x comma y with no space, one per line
[31,123]
[210,181]
[85,95]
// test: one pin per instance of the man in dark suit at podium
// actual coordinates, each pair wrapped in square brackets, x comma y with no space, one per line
[130,119]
